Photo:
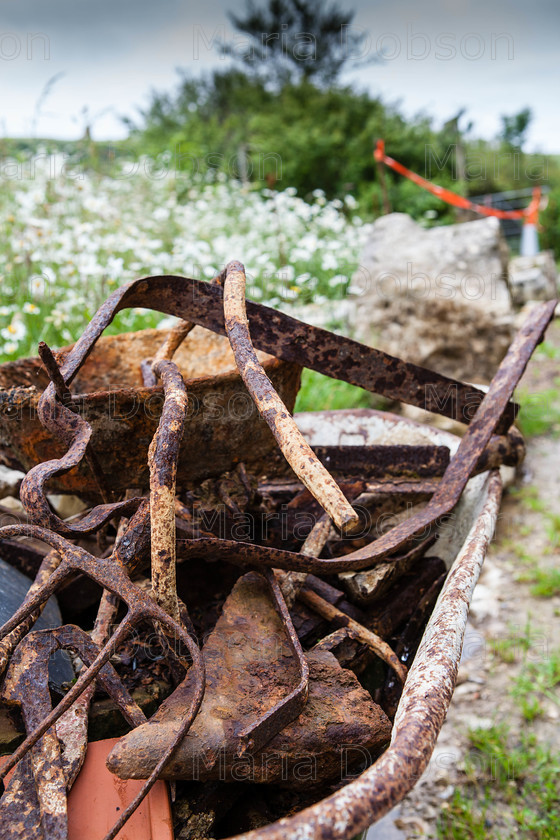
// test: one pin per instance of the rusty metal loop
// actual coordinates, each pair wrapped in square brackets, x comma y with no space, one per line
[445,497]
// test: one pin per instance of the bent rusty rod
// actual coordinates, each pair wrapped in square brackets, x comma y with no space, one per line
[111,576]
[162,459]
[293,445]
[54,771]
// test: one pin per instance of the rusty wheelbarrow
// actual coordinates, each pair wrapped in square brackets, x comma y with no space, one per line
[463,542]
[429,685]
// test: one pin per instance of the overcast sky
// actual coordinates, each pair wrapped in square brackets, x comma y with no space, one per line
[490,56]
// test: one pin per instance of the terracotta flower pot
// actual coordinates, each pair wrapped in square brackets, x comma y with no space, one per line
[97,798]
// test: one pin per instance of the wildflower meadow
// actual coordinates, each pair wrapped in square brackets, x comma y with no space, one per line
[70,237]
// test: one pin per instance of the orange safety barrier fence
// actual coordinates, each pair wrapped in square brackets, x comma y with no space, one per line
[529,214]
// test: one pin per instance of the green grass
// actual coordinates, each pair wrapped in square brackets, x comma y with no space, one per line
[515,645]
[529,496]
[539,680]
[548,350]
[545,580]
[540,412]
[512,790]
[461,819]
[321,393]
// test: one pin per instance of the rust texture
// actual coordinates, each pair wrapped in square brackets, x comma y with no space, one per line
[112,575]
[308,346]
[239,652]
[252,686]
[162,459]
[109,395]
[294,447]
[444,499]
[420,715]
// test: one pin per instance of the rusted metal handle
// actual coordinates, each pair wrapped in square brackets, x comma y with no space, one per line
[162,459]
[294,447]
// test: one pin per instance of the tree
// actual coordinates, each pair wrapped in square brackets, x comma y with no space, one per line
[514,128]
[287,41]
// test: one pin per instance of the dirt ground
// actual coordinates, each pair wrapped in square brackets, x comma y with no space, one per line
[503,612]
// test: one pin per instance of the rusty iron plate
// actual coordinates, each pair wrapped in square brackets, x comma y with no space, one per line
[223,423]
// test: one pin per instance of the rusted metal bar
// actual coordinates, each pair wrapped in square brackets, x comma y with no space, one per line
[372,640]
[291,340]
[50,363]
[391,462]
[286,710]
[162,458]
[294,447]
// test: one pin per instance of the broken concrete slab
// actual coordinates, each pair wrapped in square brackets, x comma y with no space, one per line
[533,278]
[250,667]
[437,296]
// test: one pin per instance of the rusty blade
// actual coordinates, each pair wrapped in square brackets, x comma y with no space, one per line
[250,665]
[291,340]
[258,734]
[386,462]
[444,499]
[293,445]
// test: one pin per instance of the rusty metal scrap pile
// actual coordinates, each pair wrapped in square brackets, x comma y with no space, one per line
[250,690]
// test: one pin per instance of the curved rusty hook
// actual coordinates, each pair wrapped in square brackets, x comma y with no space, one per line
[74,432]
